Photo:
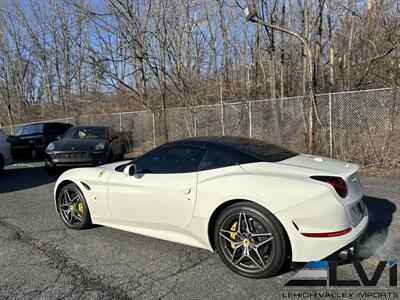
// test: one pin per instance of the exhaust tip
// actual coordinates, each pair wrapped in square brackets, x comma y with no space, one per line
[347,254]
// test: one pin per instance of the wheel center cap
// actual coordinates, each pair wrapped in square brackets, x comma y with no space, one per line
[246,242]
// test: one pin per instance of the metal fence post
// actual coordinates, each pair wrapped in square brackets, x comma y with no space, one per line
[250,123]
[195,121]
[330,126]
[223,117]
[154,131]
[120,122]
[92,120]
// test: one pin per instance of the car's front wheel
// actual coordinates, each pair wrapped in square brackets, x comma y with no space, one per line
[73,208]
[250,240]
[51,168]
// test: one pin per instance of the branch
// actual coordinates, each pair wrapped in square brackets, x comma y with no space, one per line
[378,57]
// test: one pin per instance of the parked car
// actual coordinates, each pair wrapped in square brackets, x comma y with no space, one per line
[256,204]
[85,146]
[32,139]
[5,151]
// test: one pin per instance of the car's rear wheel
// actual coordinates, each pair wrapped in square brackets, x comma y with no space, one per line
[33,153]
[250,240]
[73,208]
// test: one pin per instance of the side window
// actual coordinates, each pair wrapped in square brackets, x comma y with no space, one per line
[18,132]
[27,130]
[34,129]
[215,159]
[178,159]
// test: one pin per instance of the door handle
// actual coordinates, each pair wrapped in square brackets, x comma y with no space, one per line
[187,191]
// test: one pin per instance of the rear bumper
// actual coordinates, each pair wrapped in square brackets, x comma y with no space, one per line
[320,215]
[325,248]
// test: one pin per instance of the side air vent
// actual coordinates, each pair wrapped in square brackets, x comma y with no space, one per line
[86,186]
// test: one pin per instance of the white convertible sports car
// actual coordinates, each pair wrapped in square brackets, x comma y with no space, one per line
[256,204]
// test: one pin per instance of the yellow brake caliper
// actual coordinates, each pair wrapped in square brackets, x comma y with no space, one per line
[80,208]
[233,235]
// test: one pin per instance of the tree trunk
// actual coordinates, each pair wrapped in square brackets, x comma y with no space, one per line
[330,43]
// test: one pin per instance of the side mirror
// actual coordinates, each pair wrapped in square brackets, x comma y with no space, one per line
[10,138]
[59,137]
[113,137]
[130,170]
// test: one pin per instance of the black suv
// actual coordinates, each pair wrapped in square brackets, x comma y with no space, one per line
[33,139]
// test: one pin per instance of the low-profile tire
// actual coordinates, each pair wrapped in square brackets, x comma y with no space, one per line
[50,168]
[69,202]
[255,247]
[33,153]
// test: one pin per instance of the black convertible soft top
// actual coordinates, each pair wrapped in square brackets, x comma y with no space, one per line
[256,148]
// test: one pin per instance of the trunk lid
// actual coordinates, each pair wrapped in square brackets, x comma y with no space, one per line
[322,165]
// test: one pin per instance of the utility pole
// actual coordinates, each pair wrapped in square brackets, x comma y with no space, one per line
[252,15]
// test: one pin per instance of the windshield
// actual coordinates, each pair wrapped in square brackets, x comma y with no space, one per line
[85,133]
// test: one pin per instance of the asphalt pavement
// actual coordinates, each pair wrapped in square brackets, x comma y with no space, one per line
[41,259]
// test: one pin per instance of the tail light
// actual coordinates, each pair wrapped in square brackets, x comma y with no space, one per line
[338,184]
[327,234]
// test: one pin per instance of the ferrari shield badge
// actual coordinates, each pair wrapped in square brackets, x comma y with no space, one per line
[101,173]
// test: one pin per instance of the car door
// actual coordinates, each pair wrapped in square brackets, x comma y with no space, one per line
[33,136]
[38,135]
[162,193]
[16,142]
[24,137]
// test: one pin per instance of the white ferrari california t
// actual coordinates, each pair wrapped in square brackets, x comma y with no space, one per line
[254,203]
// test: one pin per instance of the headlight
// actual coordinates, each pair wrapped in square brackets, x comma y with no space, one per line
[50,148]
[99,146]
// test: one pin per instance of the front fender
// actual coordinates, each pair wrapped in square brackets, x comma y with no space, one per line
[93,183]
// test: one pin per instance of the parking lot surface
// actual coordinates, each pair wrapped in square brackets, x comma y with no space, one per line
[41,258]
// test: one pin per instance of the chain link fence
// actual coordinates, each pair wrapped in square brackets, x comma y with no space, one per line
[360,126]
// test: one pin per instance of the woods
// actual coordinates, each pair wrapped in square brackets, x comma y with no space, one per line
[62,58]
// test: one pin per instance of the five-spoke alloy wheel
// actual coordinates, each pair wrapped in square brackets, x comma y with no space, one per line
[250,240]
[73,208]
